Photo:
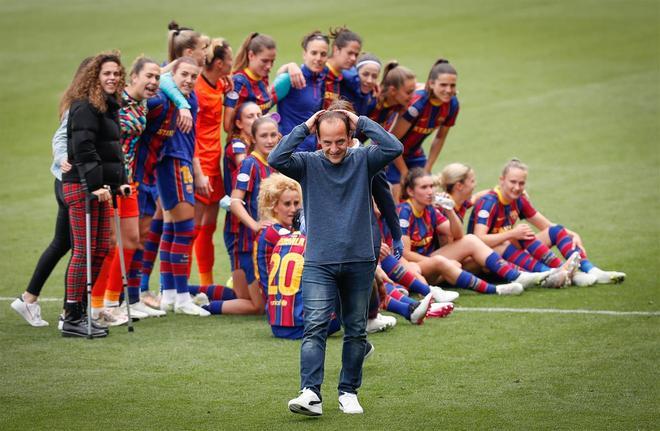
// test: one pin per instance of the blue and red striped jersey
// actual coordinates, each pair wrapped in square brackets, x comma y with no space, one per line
[332,86]
[425,116]
[250,88]
[182,145]
[161,124]
[499,215]
[462,209]
[250,174]
[421,228]
[385,115]
[266,240]
[285,305]
[237,145]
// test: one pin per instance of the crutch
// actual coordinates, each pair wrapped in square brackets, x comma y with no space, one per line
[120,250]
[88,257]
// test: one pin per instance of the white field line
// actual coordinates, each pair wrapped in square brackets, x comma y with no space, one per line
[557,311]
[485,309]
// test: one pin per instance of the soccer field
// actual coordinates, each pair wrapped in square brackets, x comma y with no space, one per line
[570,87]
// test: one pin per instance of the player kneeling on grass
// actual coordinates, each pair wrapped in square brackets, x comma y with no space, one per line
[280,257]
[494,220]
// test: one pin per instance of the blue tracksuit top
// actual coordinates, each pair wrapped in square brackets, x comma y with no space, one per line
[296,106]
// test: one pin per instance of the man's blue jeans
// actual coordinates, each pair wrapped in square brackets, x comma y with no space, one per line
[321,284]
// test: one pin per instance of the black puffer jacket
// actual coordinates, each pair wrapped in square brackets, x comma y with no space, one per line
[94,146]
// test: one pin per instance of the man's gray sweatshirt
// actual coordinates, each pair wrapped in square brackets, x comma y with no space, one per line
[337,198]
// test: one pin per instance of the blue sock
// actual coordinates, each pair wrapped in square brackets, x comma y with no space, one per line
[214,307]
[398,307]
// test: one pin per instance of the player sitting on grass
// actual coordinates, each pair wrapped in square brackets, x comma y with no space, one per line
[425,228]
[494,220]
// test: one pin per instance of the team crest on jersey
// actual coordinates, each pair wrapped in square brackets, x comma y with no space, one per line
[413,111]
[243,178]
[284,231]
[404,223]
[483,214]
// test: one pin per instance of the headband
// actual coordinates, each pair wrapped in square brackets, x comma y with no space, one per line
[363,62]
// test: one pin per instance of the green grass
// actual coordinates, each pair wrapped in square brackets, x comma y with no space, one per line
[569,87]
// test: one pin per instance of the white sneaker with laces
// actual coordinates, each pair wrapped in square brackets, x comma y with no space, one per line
[191,309]
[143,308]
[441,295]
[349,404]
[582,279]
[307,403]
[419,313]
[111,317]
[390,321]
[509,289]
[607,277]
[30,312]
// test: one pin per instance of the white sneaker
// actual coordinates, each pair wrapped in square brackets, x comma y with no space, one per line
[440,295]
[582,279]
[419,313]
[349,404]
[136,313]
[307,403]
[201,299]
[530,279]
[30,312]
[390,321]
[572,264]
[376,325]
[111,317]
[440,309]
[607,277]
[164,305]
[509,289]
[557,279]
[150,299]
[143,308]
[191,309]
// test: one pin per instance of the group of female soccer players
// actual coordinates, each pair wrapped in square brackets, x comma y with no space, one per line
[153,146]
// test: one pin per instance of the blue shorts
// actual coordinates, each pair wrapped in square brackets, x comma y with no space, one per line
[394,176]
[147,197]
[239,259]
[175,182]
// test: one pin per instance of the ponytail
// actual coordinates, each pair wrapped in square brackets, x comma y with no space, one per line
[395,76]
[440,67]
[180,38]
[255,43]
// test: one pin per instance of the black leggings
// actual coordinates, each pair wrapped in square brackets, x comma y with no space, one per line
[57,248]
